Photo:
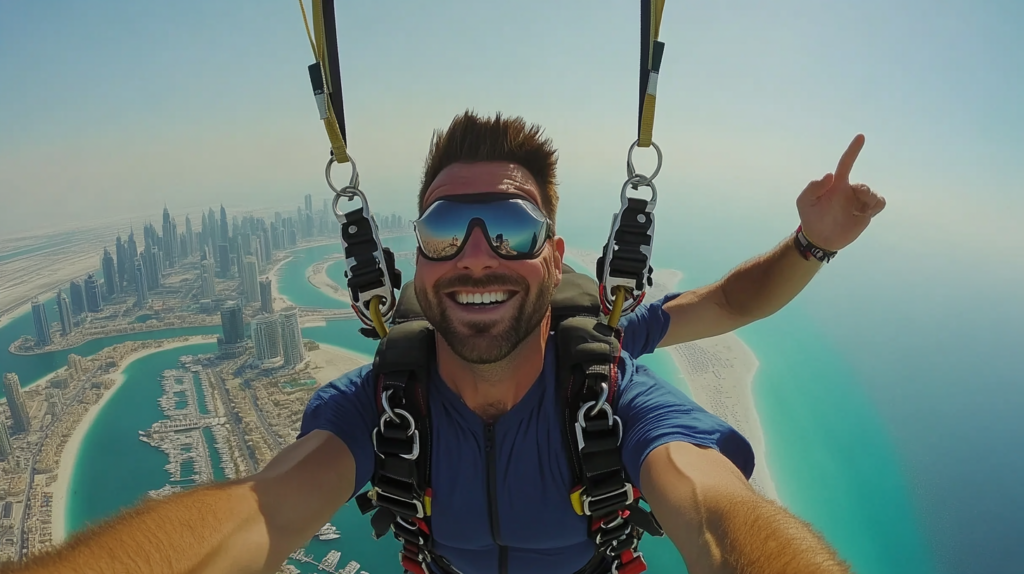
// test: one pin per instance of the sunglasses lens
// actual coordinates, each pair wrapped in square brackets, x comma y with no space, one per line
[515,228]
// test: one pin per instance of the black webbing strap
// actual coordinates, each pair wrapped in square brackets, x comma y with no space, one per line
[588,374]
[631,238]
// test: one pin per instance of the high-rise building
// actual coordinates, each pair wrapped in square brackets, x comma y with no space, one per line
[250,280]
[121,254]
[56,402]
[224,260]
[64,313]
[41,322]
[110,286]
[77,297]
[266,337]
[5,441]
[266,296]
[233,323]
[131,253]
[309,202]
[291,337]
[190,244]
[16,403]
[93,296]
[76,366]
[208,287]
[170,240]
[141,284]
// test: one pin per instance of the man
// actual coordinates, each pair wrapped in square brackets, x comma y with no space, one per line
[492,388]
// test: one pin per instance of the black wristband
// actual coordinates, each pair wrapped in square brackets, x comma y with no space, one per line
[809,250]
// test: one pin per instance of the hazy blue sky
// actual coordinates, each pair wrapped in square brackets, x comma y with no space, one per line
[119,106]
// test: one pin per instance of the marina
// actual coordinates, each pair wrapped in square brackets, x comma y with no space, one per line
[190,406]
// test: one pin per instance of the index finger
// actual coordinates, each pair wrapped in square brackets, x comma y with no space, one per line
[849,158]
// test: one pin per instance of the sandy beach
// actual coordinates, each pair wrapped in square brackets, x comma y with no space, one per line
[280,301]
[332,362]
[720,371]
[14,313]
[317,277]
[69,455]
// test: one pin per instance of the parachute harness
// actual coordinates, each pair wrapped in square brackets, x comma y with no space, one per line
[370,267]
[624,269]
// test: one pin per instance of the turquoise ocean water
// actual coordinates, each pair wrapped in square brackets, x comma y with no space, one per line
[831,459]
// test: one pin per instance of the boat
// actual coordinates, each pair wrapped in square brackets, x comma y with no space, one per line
[328,532]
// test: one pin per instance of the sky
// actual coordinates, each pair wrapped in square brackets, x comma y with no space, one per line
[113,109]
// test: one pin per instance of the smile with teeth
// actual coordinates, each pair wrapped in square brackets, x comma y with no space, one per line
[489,298]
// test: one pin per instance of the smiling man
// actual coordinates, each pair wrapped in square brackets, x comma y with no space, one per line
[488,267]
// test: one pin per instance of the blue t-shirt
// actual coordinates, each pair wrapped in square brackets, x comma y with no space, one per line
[537,523]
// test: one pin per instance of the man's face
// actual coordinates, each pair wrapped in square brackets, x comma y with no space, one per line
[484,334]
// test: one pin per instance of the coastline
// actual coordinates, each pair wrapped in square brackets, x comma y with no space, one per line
[317,277]
[69,455]
[275,288]
[720,371]
[15,312]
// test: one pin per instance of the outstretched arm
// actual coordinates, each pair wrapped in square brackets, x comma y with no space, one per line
[246,526]
[833,213]
[720,525]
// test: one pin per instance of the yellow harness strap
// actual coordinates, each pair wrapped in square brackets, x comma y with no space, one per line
[650,13]
[319,46]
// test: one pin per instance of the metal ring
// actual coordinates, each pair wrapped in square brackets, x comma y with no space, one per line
[631,171]
[353,180]
[350,193]
[608,409]
[387,410]
[601,400]
[408,417]
[636,181]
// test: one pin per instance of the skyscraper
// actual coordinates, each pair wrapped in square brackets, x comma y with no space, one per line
[77,297]
[141,285]
[309,202]
[5,441]
[291,337]
[93,296]
[56,400]
[266,296]
[208,287]
[110,286]
[232,323]
[121,253]
[190,244]
[266,337]
[41,322]
[250,280]
[64,313]
[132,252]
[16,403]
[170,240]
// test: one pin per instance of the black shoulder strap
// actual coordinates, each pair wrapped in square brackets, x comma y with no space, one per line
[588,357]
[400,494]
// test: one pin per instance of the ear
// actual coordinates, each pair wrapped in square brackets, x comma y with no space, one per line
[559,256]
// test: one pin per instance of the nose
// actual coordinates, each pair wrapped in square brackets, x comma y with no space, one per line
[477,256]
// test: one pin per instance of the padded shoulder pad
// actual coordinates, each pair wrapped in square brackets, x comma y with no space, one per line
[408,308]
[586,341]
[577,295]
[408,347]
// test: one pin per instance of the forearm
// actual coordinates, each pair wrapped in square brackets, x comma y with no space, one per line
[761,286]
[213,529]
[720,525]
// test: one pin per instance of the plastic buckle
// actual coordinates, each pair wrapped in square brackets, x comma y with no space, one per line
[626,489]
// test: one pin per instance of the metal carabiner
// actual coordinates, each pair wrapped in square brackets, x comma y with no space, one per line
[631,171]
[353,180]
